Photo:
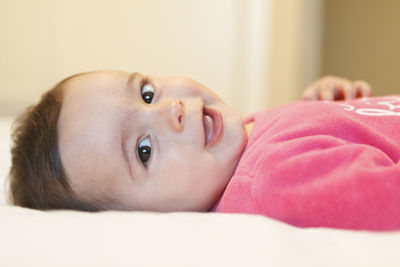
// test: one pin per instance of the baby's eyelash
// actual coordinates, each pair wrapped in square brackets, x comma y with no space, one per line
[145,80]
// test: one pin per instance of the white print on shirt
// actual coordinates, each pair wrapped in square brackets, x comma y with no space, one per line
[390,104]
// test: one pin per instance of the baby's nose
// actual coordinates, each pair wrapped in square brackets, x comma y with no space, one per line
[173,113]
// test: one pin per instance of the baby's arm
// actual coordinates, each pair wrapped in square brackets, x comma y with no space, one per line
[336,88]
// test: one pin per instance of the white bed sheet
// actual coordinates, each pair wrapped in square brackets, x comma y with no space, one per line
[69,238]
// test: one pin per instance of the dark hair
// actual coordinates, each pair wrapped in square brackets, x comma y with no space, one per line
[37,178]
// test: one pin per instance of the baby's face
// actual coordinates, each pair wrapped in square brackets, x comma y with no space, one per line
[147,143]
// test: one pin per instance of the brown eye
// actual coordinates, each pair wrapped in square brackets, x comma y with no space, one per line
[147,93]
[144,150]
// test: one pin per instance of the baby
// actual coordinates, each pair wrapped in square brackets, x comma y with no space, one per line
[126,141]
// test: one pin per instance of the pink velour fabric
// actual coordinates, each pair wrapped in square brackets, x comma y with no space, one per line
[328,164]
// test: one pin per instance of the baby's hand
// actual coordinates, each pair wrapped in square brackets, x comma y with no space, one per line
[336,88]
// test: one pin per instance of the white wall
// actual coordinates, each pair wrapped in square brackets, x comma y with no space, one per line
[253,53]
[224,44]
[295,54]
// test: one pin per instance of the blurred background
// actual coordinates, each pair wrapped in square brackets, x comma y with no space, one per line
[254,53]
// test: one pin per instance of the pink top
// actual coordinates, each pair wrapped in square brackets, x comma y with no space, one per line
[331,164]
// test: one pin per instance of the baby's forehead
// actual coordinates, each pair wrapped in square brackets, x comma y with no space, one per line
[84,96]
[88,134]
[96,80]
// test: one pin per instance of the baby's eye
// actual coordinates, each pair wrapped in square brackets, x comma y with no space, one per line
[147,93]
[144,150]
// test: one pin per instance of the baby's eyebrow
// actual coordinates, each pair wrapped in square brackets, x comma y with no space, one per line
[131,82]
[127,158]
[132,77]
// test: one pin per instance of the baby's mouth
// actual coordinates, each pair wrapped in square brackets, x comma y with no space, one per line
[213,126]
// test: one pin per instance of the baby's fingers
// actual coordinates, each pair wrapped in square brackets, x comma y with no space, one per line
[349,91]
[362,88]
[328,91]
[336,89]
[311,93]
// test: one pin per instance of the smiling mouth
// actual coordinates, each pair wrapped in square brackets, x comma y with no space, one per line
[213,126]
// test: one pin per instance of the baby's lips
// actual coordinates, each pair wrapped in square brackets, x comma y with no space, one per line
[213,126]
